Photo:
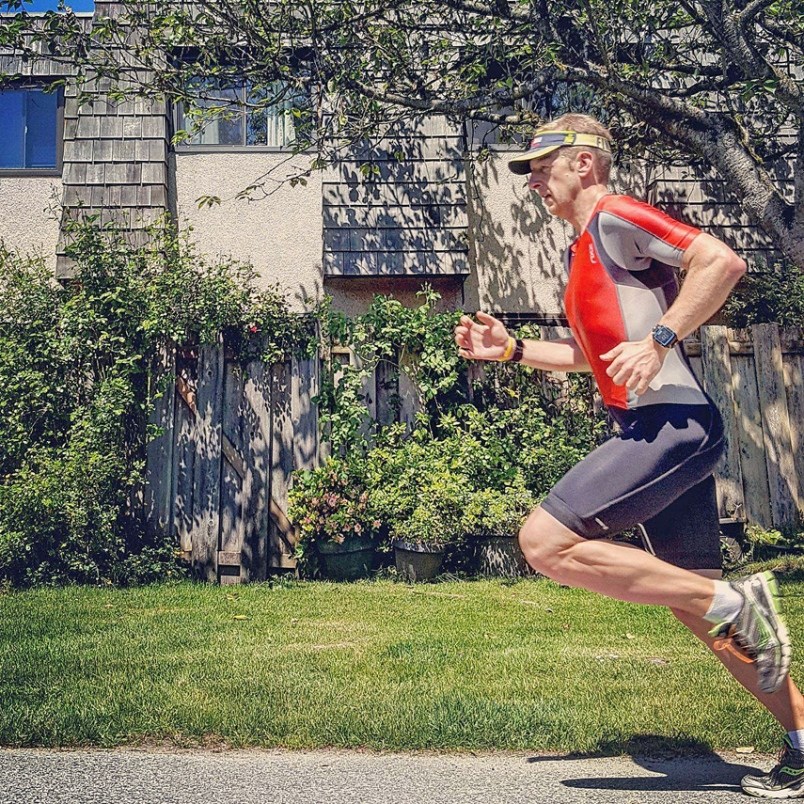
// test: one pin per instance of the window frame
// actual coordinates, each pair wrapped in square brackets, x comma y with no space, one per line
[207,148]
[21,172]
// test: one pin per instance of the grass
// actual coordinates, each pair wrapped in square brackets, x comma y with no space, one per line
[460,665]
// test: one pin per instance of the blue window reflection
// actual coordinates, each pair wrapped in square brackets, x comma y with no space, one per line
[29,128]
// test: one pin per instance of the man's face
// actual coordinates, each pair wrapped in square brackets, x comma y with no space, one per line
[555,180]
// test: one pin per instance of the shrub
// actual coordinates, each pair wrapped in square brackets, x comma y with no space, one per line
[330,504]
[497,512]
[76,390]
[768,295]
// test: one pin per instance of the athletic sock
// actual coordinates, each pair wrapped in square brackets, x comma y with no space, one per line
[796,739]
[726,604]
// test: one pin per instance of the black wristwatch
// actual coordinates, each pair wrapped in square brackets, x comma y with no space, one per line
[664,336]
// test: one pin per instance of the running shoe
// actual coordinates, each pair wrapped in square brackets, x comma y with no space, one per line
[785,780]
[758,630]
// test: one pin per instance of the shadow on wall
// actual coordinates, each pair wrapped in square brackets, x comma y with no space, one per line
[516,246]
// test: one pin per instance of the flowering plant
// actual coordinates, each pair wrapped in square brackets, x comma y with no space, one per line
[331,504]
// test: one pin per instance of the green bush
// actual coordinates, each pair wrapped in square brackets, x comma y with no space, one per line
[768,295]
[330,504]
[77,387]
[497,512]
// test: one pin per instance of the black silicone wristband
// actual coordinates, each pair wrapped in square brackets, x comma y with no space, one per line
[519,351]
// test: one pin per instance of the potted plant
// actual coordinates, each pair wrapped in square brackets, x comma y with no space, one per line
[337,531]
[491,521]
[420,539]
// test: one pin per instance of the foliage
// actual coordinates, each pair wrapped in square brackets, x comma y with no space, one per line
[712,83]
[330,504]
[414,341]
[497,512]
[77,385]
[768,296]
[459,468]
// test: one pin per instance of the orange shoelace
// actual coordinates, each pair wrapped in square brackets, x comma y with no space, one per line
[728,643]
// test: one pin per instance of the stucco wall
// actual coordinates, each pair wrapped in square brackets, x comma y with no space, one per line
[29,215]
[281,234]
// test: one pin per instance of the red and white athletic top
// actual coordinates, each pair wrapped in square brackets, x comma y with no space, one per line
[621,282]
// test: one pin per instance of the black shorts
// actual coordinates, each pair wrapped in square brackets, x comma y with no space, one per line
[656,473]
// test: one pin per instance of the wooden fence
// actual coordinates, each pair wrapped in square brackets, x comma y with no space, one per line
[755,377]
[218,474]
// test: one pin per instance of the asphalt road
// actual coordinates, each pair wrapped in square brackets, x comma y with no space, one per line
[335,777]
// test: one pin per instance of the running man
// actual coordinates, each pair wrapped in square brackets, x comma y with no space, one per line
[628,317]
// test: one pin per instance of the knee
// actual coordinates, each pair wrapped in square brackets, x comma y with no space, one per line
[541,550]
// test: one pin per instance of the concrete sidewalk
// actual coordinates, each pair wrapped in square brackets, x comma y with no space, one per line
[133,776]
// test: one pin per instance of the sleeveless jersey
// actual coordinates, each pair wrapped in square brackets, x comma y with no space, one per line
[621,282]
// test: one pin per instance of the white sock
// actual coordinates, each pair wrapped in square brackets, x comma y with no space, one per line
[796,739]
[726,604]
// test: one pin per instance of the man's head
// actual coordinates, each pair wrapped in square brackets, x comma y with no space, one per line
[570,135]
[568,161]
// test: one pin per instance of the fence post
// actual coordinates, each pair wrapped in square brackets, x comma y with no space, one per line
[785,496]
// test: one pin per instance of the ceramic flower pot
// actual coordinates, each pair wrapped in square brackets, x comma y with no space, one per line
[348,561]
[500,556]
[417,561]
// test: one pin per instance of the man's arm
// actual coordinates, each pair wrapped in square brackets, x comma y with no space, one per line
[488,339]
[712,270]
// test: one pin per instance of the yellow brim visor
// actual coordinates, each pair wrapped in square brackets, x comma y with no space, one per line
[546,142]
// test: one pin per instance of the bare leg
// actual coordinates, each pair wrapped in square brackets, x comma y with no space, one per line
[786,704]
[611,569]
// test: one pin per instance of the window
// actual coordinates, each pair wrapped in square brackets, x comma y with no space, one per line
[30,129]
[240,115]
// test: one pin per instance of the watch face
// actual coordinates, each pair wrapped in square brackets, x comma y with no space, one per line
[664,336]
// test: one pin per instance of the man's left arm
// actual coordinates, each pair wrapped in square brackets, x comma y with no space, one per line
[712,270]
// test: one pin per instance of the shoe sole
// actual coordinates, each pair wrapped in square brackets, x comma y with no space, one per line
[770,587]
[785,792]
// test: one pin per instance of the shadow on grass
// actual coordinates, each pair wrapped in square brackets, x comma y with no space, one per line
[675,764]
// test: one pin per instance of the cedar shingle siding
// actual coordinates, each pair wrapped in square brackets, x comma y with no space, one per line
[399,208]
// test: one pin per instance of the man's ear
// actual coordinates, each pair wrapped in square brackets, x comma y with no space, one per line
[585,163]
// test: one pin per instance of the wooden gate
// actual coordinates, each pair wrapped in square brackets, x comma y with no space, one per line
[218,473]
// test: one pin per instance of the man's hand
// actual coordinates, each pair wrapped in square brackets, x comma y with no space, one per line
[484,339]
[634,364]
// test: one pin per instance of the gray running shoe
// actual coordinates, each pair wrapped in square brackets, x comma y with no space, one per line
[785,780]
[758,630]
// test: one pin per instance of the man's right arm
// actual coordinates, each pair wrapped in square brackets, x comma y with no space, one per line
[488,339]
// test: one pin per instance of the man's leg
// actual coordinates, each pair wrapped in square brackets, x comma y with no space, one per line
[786,704]
[611,569]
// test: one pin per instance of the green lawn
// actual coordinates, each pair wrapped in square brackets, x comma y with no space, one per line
[464,665]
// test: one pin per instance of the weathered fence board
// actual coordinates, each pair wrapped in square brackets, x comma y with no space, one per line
[158,499]
[207,476]
[783,482]
[755,377]
[750,438]
[717,380]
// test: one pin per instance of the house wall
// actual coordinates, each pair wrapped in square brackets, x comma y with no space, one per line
[280,234]
[29,215]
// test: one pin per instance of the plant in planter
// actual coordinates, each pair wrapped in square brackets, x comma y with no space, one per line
[491,521]
[421,538]
[337,530]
